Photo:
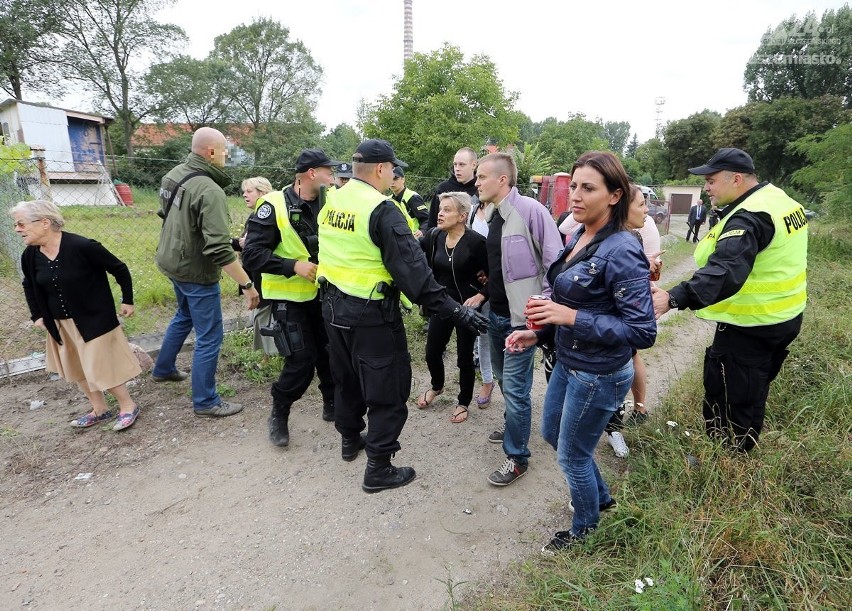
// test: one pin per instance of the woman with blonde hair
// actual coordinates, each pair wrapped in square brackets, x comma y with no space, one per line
[458,260]
[253,189]
[68,294]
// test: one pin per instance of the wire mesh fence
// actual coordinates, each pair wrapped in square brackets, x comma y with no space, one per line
[123,218]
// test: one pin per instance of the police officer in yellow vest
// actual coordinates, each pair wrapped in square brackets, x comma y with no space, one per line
[282,244]
[751,282]
[368,255]
[410,202]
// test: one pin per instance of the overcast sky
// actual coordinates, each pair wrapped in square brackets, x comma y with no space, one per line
[607,60]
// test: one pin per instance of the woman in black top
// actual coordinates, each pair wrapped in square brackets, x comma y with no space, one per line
[458,259]
[68,293]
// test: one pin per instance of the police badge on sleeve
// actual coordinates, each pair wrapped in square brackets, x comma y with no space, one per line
[264,212]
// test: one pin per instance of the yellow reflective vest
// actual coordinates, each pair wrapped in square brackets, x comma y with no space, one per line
[776,288]
[402,204]
[348,257]
[274,286]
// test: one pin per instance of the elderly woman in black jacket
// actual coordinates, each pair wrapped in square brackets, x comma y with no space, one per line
[68,294]
[458,260]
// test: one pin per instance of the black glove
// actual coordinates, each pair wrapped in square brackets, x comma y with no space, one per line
[470,318]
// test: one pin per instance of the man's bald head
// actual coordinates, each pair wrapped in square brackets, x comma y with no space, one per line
[210,144]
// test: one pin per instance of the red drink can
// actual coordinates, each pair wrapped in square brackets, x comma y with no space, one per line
[534,326]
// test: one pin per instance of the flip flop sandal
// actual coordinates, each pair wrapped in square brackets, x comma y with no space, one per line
[460,411]
[423,402]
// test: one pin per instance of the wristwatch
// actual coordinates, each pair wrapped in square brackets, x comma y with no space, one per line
[672,302]
[247,285]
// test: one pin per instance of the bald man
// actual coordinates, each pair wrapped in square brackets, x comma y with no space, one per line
[194,250]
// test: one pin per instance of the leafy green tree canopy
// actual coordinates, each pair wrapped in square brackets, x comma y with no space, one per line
[272,76]
[653,158]
[193,91]
[341,142]
[106,42]
[765,130]
[690,141]
[616,134]
[441,104]
[27,30]
[565,141]
[804,57]
[830,170]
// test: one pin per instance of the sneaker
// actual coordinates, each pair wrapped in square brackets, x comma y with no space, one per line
[602,507]
[616,440]
[91,419]
[562,540]
[125,421]
[175,376]
[497,436]
[220,411]
[636,418]
[508,472]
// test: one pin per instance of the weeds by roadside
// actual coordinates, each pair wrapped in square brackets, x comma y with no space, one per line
[715,530]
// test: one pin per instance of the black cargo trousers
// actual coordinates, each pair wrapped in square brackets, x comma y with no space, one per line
[738,368]
[308,344]
[371,365]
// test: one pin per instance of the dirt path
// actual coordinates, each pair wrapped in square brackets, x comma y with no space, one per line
[185,513]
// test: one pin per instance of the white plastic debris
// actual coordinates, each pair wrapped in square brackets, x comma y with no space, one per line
[84,476]
[36,403]
[467,511]
[671,423]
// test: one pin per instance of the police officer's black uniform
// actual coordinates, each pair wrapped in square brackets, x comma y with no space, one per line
[301,321]
[368,346]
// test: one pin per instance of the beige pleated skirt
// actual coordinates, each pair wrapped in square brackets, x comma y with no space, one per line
[104,362]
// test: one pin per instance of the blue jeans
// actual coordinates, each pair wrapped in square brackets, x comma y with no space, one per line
[514,373]
[199,308]
[577,407]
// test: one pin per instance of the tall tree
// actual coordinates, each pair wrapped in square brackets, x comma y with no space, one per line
[631,148]
[273,77]
[690,141]
[803,57]
[341,142]
[530,162]
[616,134]
[767,129]
[440,104]
[108,45]
[193,91]
[565,141]
[829,172]
[27,33]
[653,157]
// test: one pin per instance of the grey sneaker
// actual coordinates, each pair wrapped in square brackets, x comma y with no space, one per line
[220,411]
[508,472]
[497,436]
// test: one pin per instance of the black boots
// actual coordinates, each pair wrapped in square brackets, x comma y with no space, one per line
[328,411]
[382,475]
[279,434]
[351,446]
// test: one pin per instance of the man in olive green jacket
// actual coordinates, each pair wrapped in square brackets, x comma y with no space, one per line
[194,249]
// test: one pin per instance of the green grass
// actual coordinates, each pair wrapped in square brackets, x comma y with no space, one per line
[772,530]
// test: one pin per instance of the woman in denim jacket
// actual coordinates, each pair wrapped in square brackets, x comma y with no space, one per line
[600,310]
